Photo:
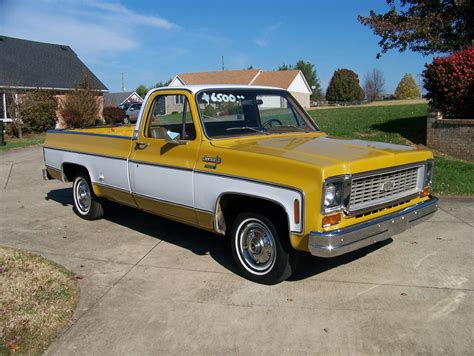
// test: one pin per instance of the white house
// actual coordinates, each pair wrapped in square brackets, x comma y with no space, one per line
[117,99]
[291,80]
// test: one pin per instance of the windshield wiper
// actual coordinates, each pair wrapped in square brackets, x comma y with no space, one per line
[247,128]
[289,127]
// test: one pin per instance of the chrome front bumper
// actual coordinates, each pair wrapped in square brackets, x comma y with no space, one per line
[338,242]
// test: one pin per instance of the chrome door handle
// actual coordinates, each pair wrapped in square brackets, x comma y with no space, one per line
[141,145]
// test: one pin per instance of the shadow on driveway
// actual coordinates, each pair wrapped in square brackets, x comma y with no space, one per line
[201,242]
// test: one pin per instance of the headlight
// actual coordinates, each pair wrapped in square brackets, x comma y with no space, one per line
[336,192]
[429,167]
[329,195]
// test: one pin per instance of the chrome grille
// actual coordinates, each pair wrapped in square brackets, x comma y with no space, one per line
[384,187]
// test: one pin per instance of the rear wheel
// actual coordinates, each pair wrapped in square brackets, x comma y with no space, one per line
[260,250]
[86,204]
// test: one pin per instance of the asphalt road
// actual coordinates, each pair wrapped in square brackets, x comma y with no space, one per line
[152,286]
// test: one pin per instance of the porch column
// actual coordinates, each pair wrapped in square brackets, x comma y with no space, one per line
[4,100]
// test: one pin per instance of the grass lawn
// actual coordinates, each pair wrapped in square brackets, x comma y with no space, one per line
[401,124]
[29,140]
[37,300]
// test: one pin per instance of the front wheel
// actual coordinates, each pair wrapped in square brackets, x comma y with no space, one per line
[86,204]
[258,249]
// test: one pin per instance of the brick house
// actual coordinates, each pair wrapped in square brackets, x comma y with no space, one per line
[291,80]
[28,65]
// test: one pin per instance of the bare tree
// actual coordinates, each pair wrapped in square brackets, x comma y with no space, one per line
[374,82]
[14,106]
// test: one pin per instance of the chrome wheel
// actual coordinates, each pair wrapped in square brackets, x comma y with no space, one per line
[82,195]
[256,246]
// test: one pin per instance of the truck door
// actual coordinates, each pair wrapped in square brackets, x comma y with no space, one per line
[161,169]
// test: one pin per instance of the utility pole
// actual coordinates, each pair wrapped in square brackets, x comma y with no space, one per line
[222,62]
[123,83]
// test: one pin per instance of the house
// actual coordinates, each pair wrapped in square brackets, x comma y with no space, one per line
[117,99]
[28,65]
[291,80]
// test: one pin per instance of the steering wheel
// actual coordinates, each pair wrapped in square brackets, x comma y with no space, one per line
[270,122]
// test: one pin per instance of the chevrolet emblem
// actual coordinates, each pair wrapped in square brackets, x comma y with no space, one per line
[387,186]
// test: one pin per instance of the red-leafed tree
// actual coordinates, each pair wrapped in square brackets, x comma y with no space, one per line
[449,82]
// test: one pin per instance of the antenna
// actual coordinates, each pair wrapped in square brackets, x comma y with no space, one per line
[223,63]
[123,82]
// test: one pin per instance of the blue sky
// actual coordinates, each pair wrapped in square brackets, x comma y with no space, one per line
[152,41]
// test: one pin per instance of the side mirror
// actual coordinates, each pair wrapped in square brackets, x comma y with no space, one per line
[173,138]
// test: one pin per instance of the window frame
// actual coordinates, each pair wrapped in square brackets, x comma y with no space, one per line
[296,106]
[186,109]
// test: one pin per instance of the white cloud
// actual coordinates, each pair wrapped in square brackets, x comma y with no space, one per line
[130,16]
[94,29]
[263,39]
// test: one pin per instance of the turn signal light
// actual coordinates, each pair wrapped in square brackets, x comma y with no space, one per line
[332,219]
[296,207]
[425,192]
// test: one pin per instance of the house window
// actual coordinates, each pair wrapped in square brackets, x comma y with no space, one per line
[178,99]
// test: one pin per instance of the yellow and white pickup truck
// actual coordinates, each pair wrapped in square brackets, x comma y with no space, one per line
[249,163]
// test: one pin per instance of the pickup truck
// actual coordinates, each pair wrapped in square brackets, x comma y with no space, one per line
[248,163]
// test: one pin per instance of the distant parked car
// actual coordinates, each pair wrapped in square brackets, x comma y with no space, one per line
[131,113]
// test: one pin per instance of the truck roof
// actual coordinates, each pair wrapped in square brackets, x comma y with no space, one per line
[196,88]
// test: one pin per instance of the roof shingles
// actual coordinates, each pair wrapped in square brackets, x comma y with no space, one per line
[242,77]
[32,64]
[279,79]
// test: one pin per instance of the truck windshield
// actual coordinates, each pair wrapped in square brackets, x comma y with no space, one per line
[237,112]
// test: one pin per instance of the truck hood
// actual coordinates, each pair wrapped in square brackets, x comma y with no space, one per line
[326,152]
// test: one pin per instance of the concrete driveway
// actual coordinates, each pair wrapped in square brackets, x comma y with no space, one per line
[152,286]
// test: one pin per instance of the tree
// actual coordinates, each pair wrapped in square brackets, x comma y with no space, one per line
[285,66]
[14,109]
[407,88]
[80,107]
[162,84]
[449,82]
[142,90]
[426,26]
[374,82]
[309,72]
[344,86]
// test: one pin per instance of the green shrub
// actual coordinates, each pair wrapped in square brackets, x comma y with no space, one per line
[38,111]
[344,86]
[449,82]
[407,88]
[209,110]
[113,115]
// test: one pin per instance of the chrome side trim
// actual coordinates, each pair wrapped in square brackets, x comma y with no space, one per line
[338,242]
[88,134]
[287,213]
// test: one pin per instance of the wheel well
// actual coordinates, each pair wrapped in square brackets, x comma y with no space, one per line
[70,171]
[231,205]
